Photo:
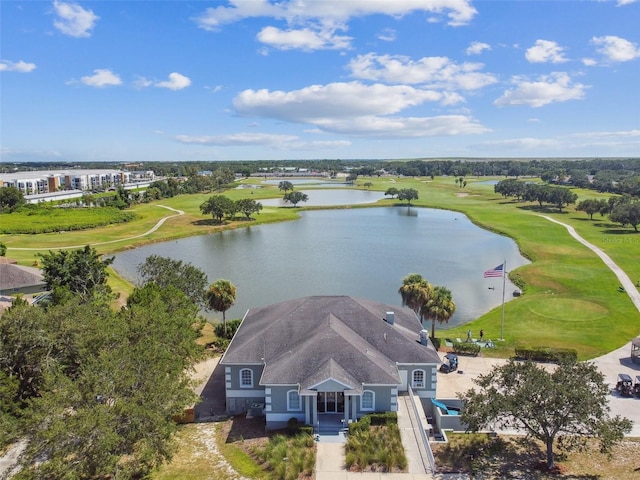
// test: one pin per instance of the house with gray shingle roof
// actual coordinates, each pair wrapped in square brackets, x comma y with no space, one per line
[320,355]
[15,279]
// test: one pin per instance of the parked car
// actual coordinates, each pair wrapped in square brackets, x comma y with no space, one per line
[624,385]
[636,386]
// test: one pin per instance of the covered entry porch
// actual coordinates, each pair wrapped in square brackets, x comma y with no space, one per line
[330,406]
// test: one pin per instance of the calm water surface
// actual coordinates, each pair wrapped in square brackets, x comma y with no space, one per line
[359,252]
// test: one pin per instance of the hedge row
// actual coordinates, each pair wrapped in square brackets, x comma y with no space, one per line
[469,348]
[381,418]
[547,354]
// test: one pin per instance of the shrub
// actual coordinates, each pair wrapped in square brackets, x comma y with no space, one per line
[361,425]
[385,418]
[469,348]
[547,354]
[232,327]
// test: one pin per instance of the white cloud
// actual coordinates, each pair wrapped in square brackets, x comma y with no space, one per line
[142,82]
[622,3]
[176,82]
[387,35]
[545,51]
[589,62]
[437,72]
[22,67]
[476,48]
[73,20]
[316,102]
[315,25]
[303,39]
[403,127]
[521,144]
[459,12]
[101,77]
[616,49]
[556,87]
[357,109]
[619,134]
[597,143]
[287,142]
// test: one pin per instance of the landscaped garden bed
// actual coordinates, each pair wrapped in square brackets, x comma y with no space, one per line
[374,445]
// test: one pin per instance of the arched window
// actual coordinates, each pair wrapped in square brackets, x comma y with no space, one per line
[368,400]
[417,379]
[246,378]
[293,401]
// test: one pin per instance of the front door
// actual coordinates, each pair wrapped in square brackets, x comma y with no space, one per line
[330,402]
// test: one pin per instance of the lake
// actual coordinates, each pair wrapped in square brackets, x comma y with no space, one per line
[362,252]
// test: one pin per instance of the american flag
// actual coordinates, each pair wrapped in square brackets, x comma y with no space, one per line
[495,272]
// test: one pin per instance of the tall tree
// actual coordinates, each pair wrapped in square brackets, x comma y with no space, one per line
[82,272]
[218,206]
[393,191]
[166,272]
[114,417]
[248,206]
[440,307]
[285,186]
[415,292]
[570,401]
[408,194]
[626,213]
[220,297]
[296,197]
[10,199]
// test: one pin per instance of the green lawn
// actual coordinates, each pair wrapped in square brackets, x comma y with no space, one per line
[570,298]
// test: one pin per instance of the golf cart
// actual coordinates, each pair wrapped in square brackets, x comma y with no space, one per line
[636,386]
[450,364]
[624,385]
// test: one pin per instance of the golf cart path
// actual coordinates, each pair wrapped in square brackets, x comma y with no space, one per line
[625,281]
[148,232]
[617,361]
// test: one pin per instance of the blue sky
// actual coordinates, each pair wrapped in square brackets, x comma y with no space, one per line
[295,79]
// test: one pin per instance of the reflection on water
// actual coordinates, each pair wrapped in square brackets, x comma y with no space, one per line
[359,252]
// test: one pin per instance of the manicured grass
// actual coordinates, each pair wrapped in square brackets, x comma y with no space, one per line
[571,298]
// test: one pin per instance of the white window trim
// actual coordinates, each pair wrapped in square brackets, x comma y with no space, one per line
[415,384]
[243,385]
[289,407]
[373,401]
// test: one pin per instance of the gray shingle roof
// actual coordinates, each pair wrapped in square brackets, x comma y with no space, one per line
[307,340]
[16,276]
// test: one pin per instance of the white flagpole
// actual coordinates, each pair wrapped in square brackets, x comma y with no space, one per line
[504,281]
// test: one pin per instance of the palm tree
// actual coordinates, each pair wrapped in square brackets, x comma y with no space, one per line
[440,307]
[415,292]
[220,297]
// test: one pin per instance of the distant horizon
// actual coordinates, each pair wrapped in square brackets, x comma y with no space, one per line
[278,80]
[427,159]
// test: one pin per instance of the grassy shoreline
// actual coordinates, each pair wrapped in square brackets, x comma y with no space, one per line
[570,298]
